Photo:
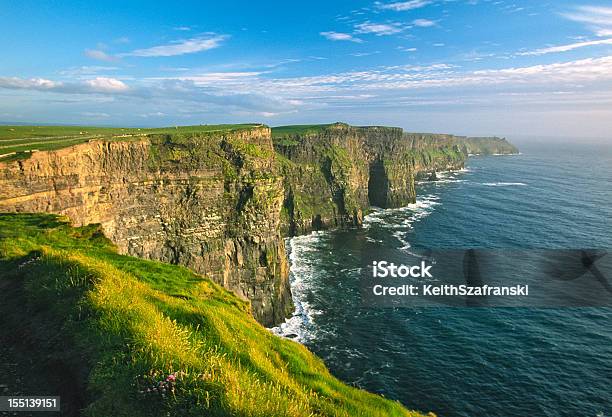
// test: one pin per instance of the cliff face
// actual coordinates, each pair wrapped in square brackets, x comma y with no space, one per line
[334,174]
[221,202]
[489,146]
[210,202]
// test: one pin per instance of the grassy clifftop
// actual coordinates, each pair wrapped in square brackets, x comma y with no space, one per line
[121,336]
[489,146]
[16,140]
[285,131]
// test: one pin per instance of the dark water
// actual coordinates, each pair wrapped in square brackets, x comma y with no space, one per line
[462,361]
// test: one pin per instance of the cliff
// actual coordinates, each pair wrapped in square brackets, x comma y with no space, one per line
[219,200]
[489,146]
[108,331]
[208,201]
[335,173]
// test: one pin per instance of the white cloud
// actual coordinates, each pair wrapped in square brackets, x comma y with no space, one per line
[213,90]
[566,48]
[153,114]
[597,18]
[603,32]
[99,55]
[338,36]
[389,87]
[360,54]
[379,29]
[180,47]
[394,79]
[422,68]
[105,84]
[87,70]
[214,77]
[403,5]
[27,84]
[423,23]
[293,89]
[592,15]
[584,70]
[95,115]
[94,85]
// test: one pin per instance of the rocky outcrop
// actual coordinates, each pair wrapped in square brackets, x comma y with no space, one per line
[210,202]
[334,174]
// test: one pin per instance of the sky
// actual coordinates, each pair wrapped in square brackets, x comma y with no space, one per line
[474,67]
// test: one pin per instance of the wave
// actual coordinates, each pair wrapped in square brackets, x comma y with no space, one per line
[300,326]
[393,218]
[447,181]
[503,184]
[447,177]
[401,220]
[403,238]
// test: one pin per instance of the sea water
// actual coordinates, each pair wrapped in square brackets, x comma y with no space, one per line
[469,361]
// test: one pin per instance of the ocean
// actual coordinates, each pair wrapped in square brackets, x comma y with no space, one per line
[470,361]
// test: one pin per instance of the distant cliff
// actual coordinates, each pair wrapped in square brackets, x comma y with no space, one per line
[489,146]
[334,173]
[220,202]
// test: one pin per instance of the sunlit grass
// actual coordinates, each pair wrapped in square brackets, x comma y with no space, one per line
[18,141]
[131,318]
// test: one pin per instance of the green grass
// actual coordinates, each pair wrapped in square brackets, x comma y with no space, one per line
[285,131]
[24,139]
[120,324]
[285,135]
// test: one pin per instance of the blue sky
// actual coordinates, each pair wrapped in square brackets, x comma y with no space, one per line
[457,66]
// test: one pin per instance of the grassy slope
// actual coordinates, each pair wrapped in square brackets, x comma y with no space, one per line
[115,324]
[27,138]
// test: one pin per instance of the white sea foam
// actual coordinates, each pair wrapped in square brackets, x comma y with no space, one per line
[445,177]
[299,326]
[503,184]
[403,238]
[448,181]
[454,171]
[401,220]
